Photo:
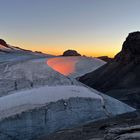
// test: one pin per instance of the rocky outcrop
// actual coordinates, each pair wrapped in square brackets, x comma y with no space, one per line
[71,53]
[124,133]
[121,77]
[122,127]
[105,58]
[3,43]
[130,49]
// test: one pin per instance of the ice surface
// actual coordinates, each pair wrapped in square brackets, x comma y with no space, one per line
[75,66]
[39,96]
[42,100]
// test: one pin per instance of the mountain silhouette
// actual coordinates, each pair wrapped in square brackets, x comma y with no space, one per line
[120,78]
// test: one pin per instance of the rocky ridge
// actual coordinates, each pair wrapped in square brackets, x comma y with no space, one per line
[120,78]
[121,127]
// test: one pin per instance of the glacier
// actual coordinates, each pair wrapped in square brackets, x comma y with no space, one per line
[36,100]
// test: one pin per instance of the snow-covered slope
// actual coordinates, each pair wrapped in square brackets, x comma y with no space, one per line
[25,100]
[13,53]
[75,66]
[8,48]
[29,74]
[29,99]
[4,47]
[36,112]
[20,74]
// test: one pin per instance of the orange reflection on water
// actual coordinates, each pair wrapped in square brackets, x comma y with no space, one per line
[64,65]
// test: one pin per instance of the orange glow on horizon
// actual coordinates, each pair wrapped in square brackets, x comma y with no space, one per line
[89,53]
[95,50]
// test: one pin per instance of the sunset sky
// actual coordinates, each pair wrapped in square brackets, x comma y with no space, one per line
[92,27]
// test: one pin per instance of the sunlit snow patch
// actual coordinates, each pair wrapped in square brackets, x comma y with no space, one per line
[74,66]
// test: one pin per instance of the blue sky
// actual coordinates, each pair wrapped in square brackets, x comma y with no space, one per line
[93,27]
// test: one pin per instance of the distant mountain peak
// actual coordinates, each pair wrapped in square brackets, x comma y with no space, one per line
[134,36]
[71,53]
[3,43]
[130,49]
[4,47]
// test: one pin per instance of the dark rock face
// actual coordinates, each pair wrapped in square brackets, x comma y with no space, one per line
[71,53]
[2,42]
[121,77]
[131,49]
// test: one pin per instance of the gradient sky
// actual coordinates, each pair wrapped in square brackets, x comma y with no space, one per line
[92,27]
